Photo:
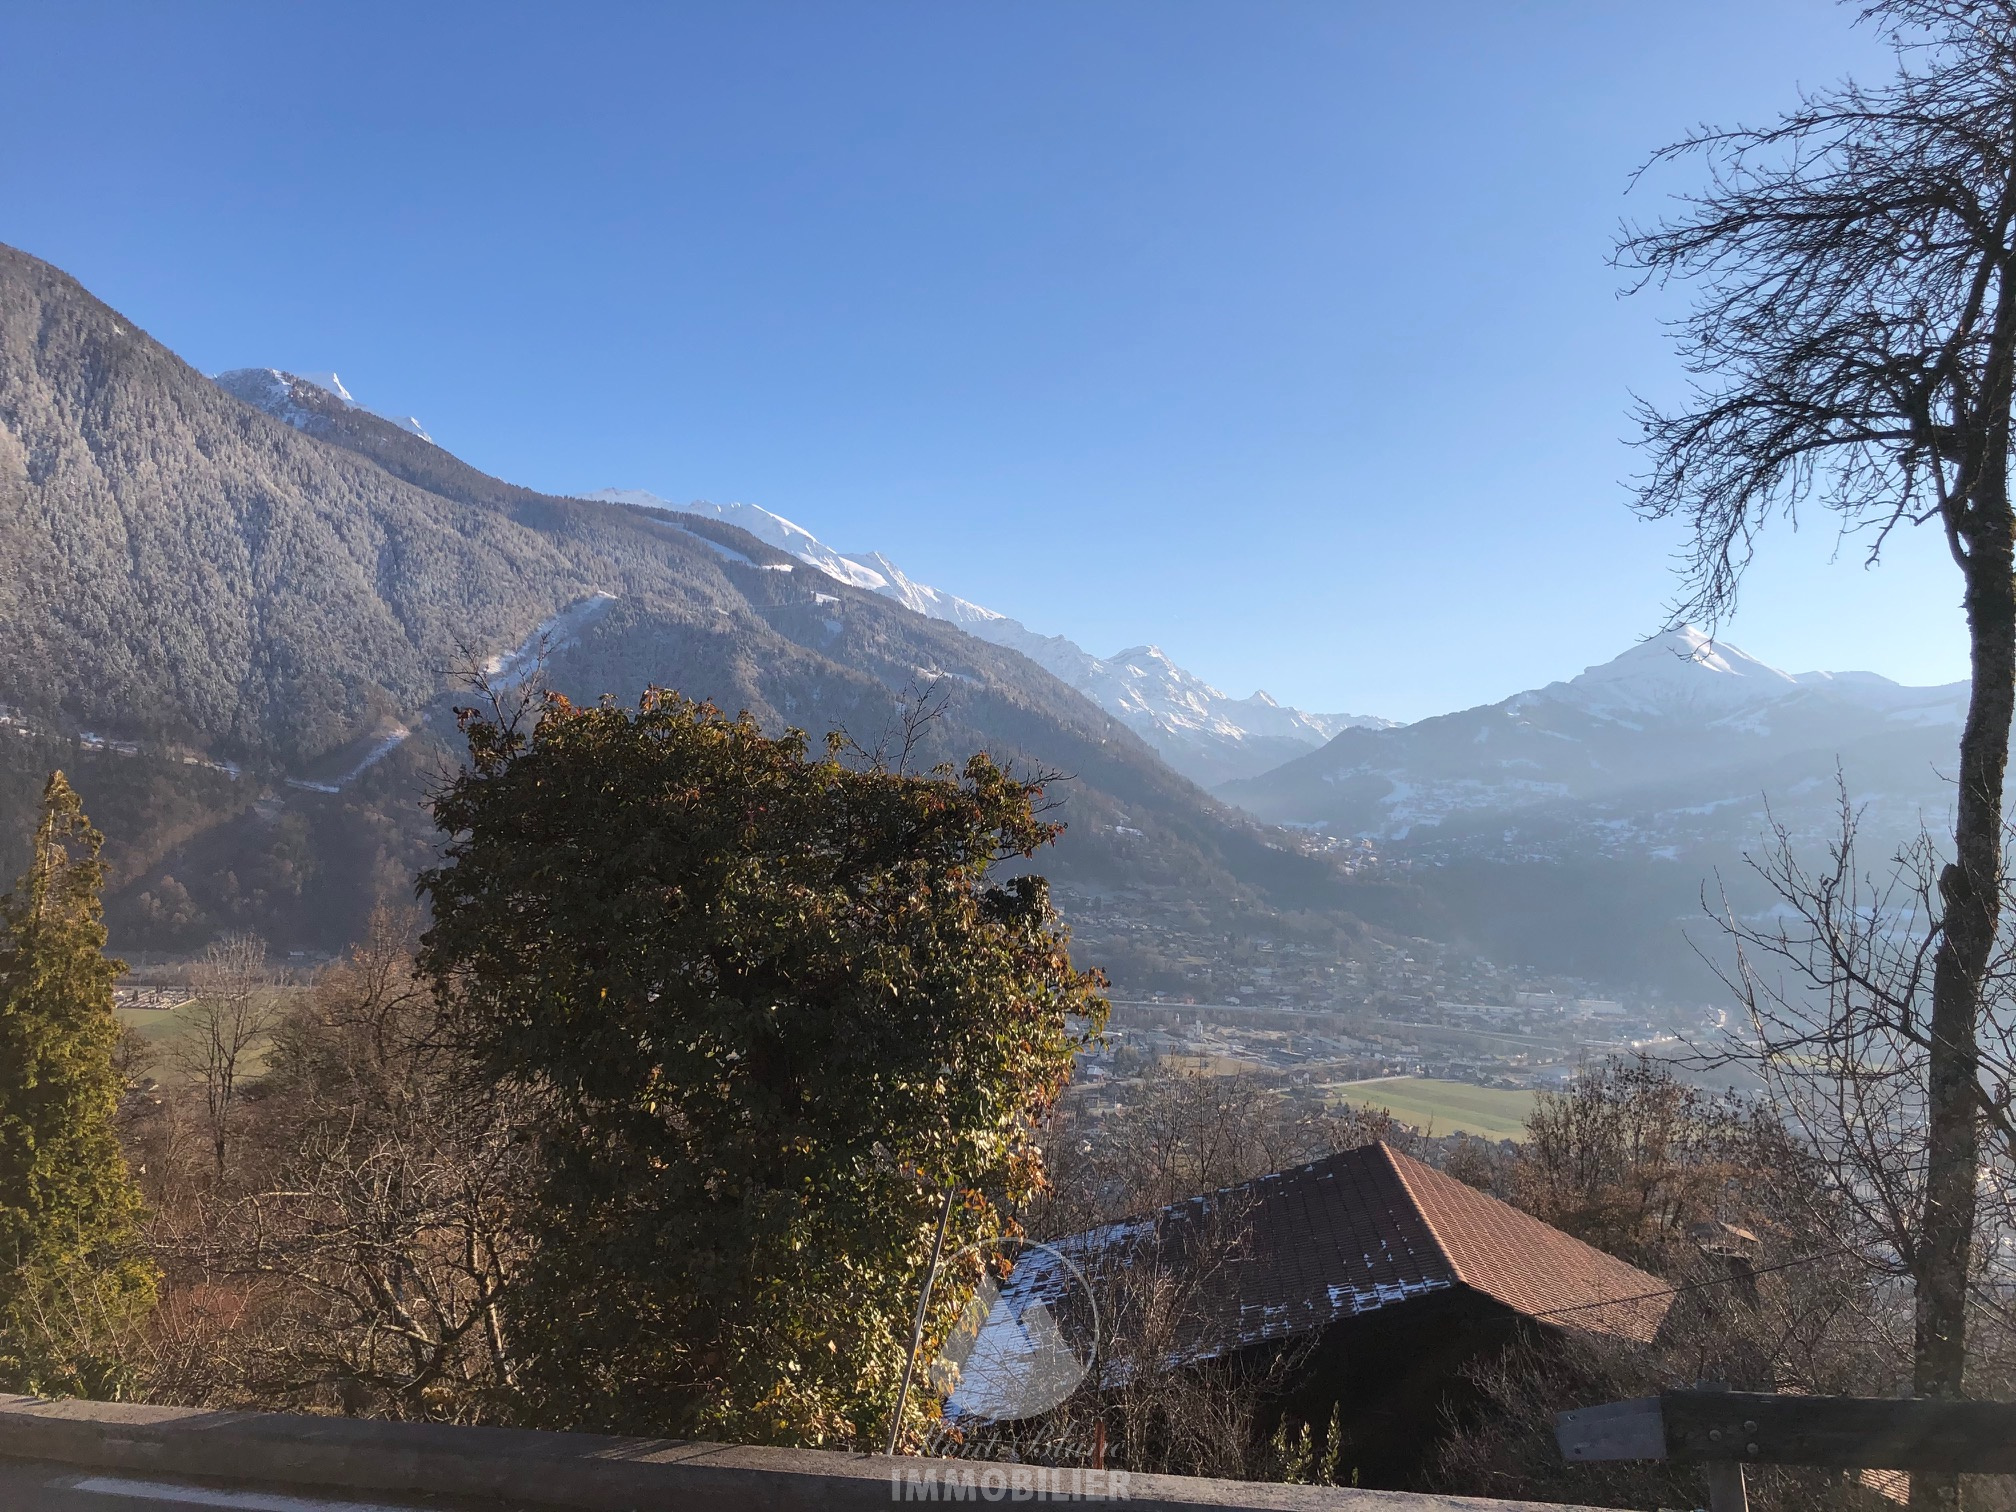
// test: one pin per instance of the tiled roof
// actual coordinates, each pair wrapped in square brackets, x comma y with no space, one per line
[1530,1266]
[1294,1251]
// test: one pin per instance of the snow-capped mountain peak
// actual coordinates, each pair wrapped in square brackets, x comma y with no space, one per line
[923,599]
[768,527]
[1204,734]
[1678,671]
[274,391]
[1691,725]
[329,383]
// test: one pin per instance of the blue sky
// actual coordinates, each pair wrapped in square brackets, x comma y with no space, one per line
[1277,334]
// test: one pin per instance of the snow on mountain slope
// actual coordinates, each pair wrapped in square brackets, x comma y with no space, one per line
[921,599]
[1681,670]
[1679,736]
[1206,735]
[771,529]
[274,391]
[1143,677]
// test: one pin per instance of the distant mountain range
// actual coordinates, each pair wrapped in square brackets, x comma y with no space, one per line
[1581,823]
[238,610]
[1661,748]
[1206,735]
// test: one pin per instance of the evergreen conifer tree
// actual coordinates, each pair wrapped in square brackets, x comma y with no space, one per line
[73,1278]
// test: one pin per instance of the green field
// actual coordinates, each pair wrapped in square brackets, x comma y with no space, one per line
[156,1025]
[1445,1107]
[162,1028]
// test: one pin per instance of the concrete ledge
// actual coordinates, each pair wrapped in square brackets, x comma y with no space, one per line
[597,1473]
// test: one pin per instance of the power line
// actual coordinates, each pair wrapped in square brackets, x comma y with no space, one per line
[1674,1291]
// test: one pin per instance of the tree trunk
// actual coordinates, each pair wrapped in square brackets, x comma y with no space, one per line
[1970,891]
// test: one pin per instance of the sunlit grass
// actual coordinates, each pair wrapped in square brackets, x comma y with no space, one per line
[1446,1107]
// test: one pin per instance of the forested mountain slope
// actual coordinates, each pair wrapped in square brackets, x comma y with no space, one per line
[174,563]
[250,594]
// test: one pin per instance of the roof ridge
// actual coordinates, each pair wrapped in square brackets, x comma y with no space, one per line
[1422,1209]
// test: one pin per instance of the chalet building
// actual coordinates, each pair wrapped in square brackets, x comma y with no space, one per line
[1361,1284]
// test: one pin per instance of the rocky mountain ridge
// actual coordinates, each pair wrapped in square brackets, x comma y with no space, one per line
[1697,724]
[1598,821]
[282,396]
[1204,733]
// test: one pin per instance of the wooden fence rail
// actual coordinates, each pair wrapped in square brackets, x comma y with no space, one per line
[1726,1430]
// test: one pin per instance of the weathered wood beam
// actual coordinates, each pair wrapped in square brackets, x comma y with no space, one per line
[1633,1430]
[1847,1433]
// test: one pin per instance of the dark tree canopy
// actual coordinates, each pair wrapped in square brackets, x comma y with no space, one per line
[768,1002]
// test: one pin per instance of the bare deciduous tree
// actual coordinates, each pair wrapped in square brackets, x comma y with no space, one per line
[234,1010]
[1635,1162]
[390,1222]
[1723,1197]
[1179,1397]
[1176,1133]
[1163,1393]
[360,1257]
[1854,344]
[1838,985]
